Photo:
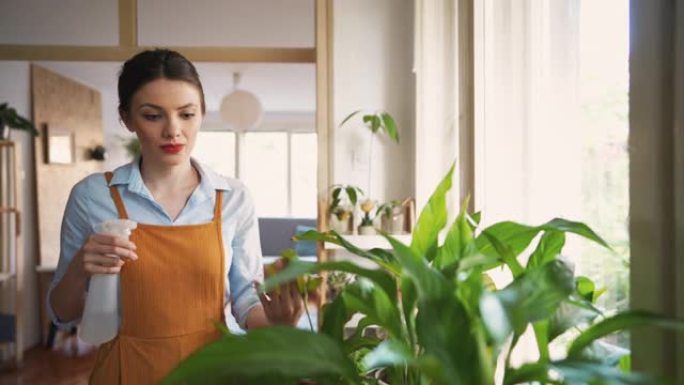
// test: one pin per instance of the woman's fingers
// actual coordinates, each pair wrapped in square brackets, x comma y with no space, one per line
[111,250]
[98,264]
[105,254]
[283,305]
[112,244]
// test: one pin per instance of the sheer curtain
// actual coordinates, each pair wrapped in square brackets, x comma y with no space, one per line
[436,69]
[528,137]
[552,129]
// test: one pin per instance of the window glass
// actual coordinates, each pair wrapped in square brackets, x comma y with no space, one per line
[263,168]
[304,175]
[216,150]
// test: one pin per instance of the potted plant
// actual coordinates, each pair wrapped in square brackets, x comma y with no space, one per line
[392,216]
[366,226]
[341,208]
[377,122]
[9,118]
[442,321]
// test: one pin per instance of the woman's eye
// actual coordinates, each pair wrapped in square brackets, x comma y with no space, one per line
[151,117]
[187,115]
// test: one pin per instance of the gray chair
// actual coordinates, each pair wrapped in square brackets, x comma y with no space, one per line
[276,235]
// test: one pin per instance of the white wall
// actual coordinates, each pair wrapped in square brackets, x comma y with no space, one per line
[14,81]
[373,58]
[68,22]
[236,23]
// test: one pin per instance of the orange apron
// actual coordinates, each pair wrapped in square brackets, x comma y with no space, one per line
[171,297]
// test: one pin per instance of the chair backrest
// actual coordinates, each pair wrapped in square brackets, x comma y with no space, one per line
[276,233]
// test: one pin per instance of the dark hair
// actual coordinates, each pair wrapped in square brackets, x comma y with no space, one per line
[150,65]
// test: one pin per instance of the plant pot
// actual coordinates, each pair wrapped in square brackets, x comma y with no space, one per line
[367,230]
[342,225]
[394,224]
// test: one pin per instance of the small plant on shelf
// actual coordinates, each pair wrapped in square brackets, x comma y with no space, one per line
[366,227]
[341,208]
[9,118]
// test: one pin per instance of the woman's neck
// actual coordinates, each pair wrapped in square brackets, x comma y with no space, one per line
[163,178]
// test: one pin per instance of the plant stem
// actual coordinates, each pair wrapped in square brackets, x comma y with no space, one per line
[305,298]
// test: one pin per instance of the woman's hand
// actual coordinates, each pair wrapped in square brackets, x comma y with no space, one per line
[105,254]
[283,305]
[100,254]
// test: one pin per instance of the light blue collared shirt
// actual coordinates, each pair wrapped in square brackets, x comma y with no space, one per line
[90,202]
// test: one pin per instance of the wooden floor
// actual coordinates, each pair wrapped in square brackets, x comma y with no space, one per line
[42,367]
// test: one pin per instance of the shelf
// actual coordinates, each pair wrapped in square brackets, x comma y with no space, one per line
[367,242]
[6,277]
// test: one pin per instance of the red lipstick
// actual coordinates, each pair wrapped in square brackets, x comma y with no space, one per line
[172,148]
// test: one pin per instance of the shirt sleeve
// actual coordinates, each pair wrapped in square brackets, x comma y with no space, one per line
[246,265]
[75,230]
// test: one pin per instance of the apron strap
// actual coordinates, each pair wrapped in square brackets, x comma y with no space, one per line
[219,206]
[116,197]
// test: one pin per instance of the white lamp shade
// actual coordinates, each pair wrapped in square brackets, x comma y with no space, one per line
[241,110]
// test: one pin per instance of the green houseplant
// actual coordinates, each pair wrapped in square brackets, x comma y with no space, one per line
[440,319]
[343,199]
[9,118]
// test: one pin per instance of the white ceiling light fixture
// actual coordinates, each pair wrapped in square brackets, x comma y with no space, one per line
[241,109]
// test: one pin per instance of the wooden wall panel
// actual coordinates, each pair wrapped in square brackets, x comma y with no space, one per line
[64,103]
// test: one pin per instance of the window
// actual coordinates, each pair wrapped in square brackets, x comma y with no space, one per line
[216,150]
[552,138]
[278,167]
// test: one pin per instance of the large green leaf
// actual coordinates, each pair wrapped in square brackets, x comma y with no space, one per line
[335,316]
[458,244]
[506,253]
[298,268]
[409,300]
[360,339]
[536,294]
[623,321]
[549,246]
[517,237]
[571,313]
[579,228]
[366,298]
[573,372]
[432,219]
[275,355]
[429,282]
[446,332]
[381,257]
[393,353]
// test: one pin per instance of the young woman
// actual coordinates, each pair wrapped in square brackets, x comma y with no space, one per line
[195,252]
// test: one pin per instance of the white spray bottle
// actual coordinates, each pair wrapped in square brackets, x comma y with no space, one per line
[100,322]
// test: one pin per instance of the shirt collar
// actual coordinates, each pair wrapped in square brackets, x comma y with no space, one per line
[129,174]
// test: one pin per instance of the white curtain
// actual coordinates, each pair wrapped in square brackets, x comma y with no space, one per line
[436,71]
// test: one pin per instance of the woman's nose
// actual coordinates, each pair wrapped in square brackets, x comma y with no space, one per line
[172,129]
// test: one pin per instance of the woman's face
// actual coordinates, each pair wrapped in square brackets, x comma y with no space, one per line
[166,115]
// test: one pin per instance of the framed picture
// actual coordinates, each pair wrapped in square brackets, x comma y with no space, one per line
[59,145]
